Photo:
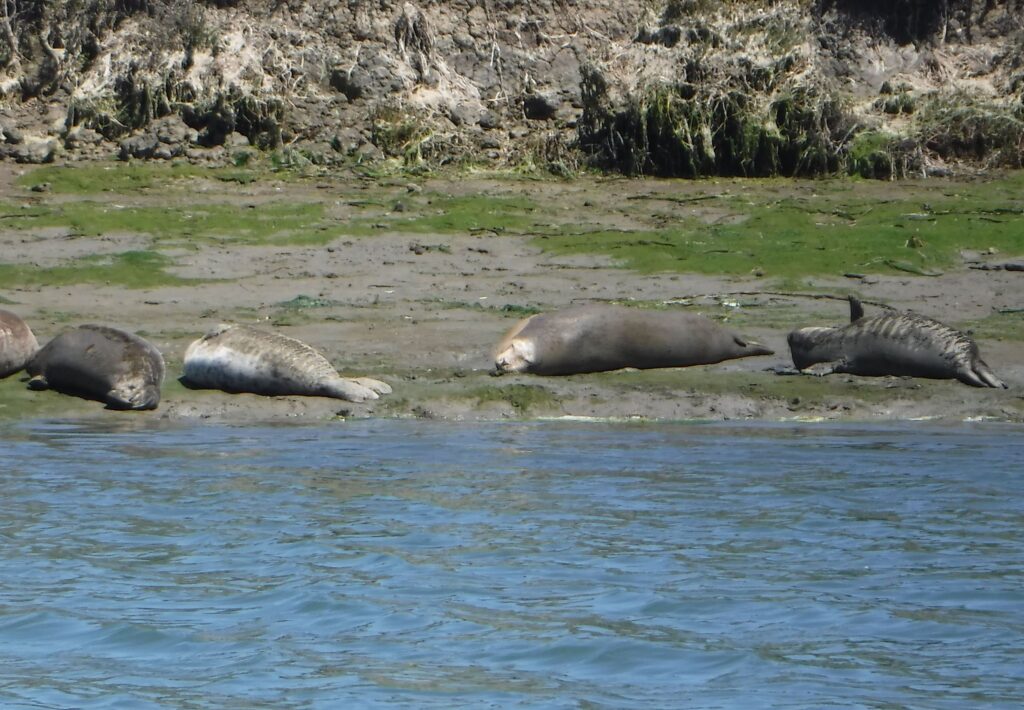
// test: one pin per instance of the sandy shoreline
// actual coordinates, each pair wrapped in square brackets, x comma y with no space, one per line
[422,312]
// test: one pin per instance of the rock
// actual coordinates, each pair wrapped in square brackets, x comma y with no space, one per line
[464,114]
[141,147]
[11,135]
[539,107]
[489,119]
[35,151]
[82,137]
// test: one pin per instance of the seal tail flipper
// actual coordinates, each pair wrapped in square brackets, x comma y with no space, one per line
[751,348]
[980,375]
[856,309]
[372,384]
[349,390]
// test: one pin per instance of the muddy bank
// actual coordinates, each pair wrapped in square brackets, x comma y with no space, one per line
[414,280]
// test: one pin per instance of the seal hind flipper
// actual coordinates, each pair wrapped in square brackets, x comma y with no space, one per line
[856,309]
[978,374]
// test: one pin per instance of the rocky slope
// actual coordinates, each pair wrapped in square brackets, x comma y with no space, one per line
[676,87]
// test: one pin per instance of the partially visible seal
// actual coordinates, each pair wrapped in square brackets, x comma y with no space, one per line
[103,363]
[240,358]
[891,343]
[597,338]
[17,343]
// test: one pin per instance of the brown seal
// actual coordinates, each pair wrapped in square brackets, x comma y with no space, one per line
[891,343]
[17,343]
[596,338]
[102,363]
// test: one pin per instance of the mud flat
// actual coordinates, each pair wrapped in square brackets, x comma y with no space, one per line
[412,279]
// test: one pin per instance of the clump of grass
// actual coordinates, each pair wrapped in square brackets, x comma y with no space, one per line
[701,128]
[961,127]
[400,133]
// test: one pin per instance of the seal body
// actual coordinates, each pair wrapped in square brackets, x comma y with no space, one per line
[891,343]
[597,338]
[240,358]
[18,345]
[99,362]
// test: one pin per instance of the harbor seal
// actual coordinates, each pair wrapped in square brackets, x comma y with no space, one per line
[597,338]
[240,358]
[890,343]
[18,344]
[103,363]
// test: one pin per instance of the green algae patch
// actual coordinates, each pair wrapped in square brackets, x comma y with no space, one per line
[130,269]
[841,227]
[524,399]
[271,223]
[1001,325]
[453,214]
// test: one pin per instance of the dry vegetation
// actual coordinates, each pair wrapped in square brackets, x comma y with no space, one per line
[666,87]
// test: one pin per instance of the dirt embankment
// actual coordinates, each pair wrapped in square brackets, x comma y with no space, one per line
[676,87]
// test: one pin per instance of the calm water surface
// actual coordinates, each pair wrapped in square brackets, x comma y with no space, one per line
[391,563]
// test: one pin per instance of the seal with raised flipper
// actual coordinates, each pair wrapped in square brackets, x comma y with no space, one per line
[18,344]
[99,362]
[240,358]
[891,343]
[599,337]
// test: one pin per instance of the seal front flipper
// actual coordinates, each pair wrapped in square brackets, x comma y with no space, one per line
[38,383]
[821,369]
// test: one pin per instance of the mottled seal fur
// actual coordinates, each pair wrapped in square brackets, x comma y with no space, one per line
[596,338]
[18,344]
[240,358]
[891,343]
[100,362]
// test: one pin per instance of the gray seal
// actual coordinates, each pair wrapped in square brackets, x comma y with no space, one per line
[891,343]
[240,358]
[18,345]
[597,338]
[103,363]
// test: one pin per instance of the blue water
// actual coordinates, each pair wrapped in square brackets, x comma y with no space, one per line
[420,564]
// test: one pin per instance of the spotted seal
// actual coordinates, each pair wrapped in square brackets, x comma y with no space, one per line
[240,358]
[598,337]
[103,363]
[18,344]
[890,343]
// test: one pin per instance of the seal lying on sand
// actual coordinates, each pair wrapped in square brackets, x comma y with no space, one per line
[103,363]
[239,358]
[17,343]
[891,343]
[597,338]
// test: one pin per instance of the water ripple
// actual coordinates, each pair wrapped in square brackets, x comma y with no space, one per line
[420,564]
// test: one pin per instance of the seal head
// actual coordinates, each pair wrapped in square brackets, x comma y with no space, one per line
[18,345]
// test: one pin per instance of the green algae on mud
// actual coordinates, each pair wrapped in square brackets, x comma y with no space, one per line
[840,227]
[130,269]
